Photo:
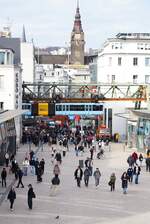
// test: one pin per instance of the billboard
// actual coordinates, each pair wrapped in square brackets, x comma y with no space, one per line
[43,109]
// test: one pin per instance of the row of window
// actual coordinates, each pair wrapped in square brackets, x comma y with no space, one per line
[140,46]
[79,107]
[134,79]
[135,61]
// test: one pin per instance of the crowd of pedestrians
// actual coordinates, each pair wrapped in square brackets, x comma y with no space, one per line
[60,140]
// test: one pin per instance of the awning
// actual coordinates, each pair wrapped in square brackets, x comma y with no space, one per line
[7,115]
[127,116]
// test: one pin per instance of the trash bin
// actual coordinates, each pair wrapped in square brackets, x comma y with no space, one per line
[81,164]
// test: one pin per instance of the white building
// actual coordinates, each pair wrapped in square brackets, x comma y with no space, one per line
[27,61]
[124,59]
[10,86]
[10,81]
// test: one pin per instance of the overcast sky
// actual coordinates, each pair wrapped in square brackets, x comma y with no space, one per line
[50,22]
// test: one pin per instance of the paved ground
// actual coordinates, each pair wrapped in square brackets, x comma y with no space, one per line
[81,205]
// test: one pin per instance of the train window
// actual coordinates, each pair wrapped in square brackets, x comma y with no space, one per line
[63,107]
[97,107]
[101,107]
[77,108]
[94,107]
[58,107]
[28,107]
[86,107]
[90,107]
[67,107]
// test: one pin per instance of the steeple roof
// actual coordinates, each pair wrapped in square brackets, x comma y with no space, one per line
[77,22]
[24,35]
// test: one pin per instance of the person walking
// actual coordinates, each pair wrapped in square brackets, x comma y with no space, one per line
[112,181]
[130,174]
[31,195]
[58,157]
[97,175]
[147,161]
[86,176]
[78,175]
[3,176]
[136,171]
[11,197]
[141,159]
[7,159]
[92,152]
[20,175]
[124,179]
[42,165]
[56,170]
[55,183]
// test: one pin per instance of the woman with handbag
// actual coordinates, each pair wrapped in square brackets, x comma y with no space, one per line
[31,195]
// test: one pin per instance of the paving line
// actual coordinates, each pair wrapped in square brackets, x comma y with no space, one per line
[106,207]
[46,215]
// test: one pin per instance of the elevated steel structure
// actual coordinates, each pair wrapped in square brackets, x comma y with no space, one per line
[77,92]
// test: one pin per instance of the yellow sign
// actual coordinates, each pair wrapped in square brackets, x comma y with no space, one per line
[43,109]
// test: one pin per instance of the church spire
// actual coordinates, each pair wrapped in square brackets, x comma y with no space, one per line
[77,22]
[24,35]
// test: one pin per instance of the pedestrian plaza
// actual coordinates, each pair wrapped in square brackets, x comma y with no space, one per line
[73,205]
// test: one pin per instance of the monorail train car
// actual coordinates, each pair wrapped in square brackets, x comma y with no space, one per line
[79,108]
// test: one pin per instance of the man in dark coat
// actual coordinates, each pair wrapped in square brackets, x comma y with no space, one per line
[3,176]
[20,175]
[58,157]
[31,195]
[86,176]
[78,175]
[11,197]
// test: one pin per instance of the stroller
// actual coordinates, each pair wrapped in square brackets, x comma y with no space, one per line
[100,154]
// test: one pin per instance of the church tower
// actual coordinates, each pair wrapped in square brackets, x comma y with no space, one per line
[77,40]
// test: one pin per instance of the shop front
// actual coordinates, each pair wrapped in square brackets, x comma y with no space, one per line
[7,139]
[131,134]
[143,134]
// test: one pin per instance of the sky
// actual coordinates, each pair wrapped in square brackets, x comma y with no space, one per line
[50,22]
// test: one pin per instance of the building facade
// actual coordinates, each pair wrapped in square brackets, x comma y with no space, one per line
[27,61]
[124,59]
[10,81]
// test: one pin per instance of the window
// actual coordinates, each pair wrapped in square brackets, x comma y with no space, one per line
[113,78]
[147,79]
[135,61]
[119,60]
[1,105]
[108,78]
[77,108]
[1,81]
[8,58]
[147,61]
[135,77]
[2,58]
[85,77]
[58,108]
[110,61]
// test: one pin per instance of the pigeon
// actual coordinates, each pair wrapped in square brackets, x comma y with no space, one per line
[57,217]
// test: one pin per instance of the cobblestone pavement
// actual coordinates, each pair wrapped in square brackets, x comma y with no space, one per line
[81,205]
